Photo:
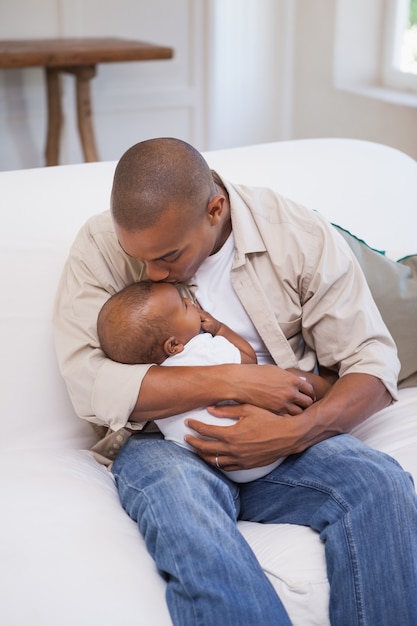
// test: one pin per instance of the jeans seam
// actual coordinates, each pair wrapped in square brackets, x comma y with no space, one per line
[342,504]
[355,570]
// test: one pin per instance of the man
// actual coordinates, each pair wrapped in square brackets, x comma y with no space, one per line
[284,279]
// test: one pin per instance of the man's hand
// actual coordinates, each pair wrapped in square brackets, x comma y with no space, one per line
[259,436]
[268,386]
[252,442]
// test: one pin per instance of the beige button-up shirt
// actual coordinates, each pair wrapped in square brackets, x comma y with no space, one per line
[294,274]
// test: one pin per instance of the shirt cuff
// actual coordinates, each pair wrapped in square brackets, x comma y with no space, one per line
[116,391]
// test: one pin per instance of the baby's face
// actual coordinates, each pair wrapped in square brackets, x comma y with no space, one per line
[182,315]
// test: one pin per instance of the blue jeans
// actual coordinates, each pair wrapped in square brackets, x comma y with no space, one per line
[360,501]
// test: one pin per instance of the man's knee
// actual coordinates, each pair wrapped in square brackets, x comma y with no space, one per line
[161,473]
[369,472]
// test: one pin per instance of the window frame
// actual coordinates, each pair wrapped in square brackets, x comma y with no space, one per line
[396,18]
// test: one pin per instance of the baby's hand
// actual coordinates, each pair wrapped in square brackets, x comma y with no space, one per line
[208,323]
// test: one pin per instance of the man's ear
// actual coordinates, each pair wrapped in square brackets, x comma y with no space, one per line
[215,208]
[172,346]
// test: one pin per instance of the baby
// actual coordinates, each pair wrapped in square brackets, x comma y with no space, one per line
[152,323]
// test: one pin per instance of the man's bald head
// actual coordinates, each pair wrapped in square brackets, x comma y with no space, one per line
[154,175]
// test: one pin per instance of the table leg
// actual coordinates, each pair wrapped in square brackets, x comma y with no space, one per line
[83,76]
[54,116]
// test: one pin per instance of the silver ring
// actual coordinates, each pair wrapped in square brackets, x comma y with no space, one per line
[217,462]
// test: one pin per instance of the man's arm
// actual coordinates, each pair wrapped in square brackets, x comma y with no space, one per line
[259,436]
[192,387]
[110,393]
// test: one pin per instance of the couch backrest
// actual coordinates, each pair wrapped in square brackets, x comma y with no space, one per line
[41,212]
[366,188]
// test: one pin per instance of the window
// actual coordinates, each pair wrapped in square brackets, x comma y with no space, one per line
[400,67]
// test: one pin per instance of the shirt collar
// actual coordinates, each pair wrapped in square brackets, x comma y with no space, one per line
[245,230]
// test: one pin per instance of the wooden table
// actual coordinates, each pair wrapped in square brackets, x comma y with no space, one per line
[77,56]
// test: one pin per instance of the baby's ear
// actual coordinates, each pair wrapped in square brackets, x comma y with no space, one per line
[172,346]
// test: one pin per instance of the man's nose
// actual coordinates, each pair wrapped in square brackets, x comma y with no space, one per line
[156,273]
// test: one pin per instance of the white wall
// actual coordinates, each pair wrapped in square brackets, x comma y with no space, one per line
[363,111]
[249,42]
[216,92]
[244,71]
[131,101]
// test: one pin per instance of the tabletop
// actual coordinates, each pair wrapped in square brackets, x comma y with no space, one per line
[77,51]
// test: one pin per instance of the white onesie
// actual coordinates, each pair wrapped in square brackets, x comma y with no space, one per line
[204,349]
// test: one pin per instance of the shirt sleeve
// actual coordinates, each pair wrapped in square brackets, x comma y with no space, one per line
[341,321]
[101,390]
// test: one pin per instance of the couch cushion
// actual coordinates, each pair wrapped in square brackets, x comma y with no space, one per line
[394,288]
[70,556]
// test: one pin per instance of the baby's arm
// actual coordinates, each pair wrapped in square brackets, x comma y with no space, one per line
[210,325]
[321,384]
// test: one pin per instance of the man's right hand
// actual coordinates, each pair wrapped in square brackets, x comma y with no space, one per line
[275,389]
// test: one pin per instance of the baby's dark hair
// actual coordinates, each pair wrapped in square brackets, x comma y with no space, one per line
[126,331]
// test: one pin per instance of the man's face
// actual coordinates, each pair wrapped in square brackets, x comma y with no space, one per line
[171,250]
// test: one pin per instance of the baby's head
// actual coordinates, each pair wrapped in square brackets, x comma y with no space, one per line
[146,322]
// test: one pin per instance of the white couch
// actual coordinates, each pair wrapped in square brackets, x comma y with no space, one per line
[69,555]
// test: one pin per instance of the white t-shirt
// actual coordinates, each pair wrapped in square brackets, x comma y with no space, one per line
[216,295]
